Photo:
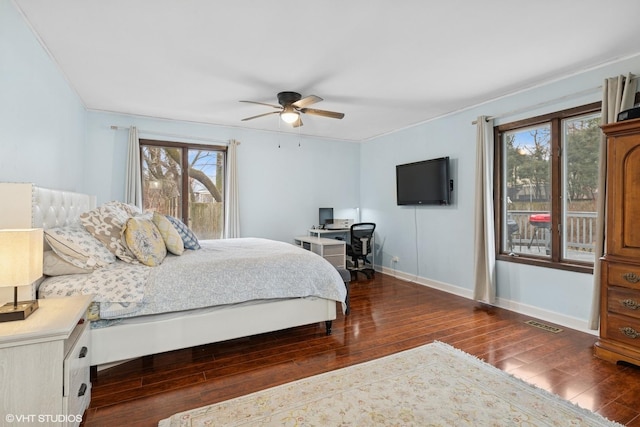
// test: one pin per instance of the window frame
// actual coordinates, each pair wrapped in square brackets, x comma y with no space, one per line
[184,147]
[555,121]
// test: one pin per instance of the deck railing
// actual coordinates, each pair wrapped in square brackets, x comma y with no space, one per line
[580,230]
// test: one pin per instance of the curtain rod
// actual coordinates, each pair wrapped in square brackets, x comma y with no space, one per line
[171,135]
[542,104]
[551,101]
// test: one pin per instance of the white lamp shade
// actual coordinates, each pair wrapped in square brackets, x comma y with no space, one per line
[20,256]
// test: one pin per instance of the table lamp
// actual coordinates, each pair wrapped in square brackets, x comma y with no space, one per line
[20,265]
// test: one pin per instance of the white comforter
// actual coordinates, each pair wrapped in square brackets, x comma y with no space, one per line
[224,271]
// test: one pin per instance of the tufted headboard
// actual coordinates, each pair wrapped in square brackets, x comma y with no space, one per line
[25,205]
[29,206]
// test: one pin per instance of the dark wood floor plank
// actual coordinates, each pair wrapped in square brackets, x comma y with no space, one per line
[388,315]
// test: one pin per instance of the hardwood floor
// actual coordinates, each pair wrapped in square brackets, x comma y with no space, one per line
[387,316]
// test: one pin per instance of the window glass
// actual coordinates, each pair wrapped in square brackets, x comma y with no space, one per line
[580,157]
[527,175]
[162,180]
[206,182]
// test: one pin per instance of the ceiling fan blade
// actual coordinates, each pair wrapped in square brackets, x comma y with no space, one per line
[297,123]
[323,113]
[307,100]
[260,115]
[262,103]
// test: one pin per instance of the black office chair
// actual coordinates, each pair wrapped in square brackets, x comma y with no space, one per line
[360,247]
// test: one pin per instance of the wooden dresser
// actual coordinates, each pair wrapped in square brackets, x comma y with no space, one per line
[620,293]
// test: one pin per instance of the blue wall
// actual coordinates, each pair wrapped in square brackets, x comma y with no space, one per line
[49,138]
[42,121]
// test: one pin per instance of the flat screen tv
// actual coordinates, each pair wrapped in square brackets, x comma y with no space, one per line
[424,183]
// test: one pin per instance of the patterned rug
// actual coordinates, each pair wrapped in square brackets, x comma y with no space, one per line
[435,384]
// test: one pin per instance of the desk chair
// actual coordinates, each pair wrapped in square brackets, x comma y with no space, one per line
[360,247]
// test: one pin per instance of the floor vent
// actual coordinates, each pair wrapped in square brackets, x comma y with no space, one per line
[547,328]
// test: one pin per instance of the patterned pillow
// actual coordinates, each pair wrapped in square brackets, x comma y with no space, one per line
[78,247]
[131,210]
[144,241]
[188,238]
[106,223]
[170,235]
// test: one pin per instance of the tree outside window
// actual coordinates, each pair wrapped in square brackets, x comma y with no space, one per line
[185,181]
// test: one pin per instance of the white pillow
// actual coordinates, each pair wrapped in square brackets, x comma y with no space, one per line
[77,246]
[55,266]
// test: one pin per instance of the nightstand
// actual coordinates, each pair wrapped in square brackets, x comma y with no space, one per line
[44,364]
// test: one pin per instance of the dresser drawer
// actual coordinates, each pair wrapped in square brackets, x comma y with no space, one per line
[77,383]
[624,275]
[623,329]
[623,301]
[75,406]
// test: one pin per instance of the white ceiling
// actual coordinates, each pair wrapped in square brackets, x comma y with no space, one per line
[386,64]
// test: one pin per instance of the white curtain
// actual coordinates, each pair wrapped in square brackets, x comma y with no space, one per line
[484,240]
[133,179]
[232,211]
[618,94]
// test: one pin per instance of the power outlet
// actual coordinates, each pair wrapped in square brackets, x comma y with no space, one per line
[395,259]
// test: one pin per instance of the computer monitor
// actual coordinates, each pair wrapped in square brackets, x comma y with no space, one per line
[325,216]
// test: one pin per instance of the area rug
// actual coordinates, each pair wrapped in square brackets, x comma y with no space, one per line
[432,385]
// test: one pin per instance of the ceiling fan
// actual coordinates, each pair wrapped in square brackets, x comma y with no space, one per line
[291,105]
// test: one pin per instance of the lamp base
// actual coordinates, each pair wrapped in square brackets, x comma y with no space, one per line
[23,310]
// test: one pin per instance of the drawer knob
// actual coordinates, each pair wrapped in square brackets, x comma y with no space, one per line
[631,277]
[631,304]
[630,332]
[83,390]
[83,352]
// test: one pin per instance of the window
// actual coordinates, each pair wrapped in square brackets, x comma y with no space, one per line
[546,188]
[185,181]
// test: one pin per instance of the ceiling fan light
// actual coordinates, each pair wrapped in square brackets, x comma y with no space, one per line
[289,116]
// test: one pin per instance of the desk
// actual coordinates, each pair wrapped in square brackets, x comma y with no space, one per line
[319,232]
[333,250]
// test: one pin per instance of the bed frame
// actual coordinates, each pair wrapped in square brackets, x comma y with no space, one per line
[32,206]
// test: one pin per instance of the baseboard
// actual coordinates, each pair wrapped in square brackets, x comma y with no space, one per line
[518,307]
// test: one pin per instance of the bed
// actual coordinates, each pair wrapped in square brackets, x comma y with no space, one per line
[151,329]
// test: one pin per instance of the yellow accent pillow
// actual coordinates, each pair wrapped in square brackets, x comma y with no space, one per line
[171,237]
[144,241]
